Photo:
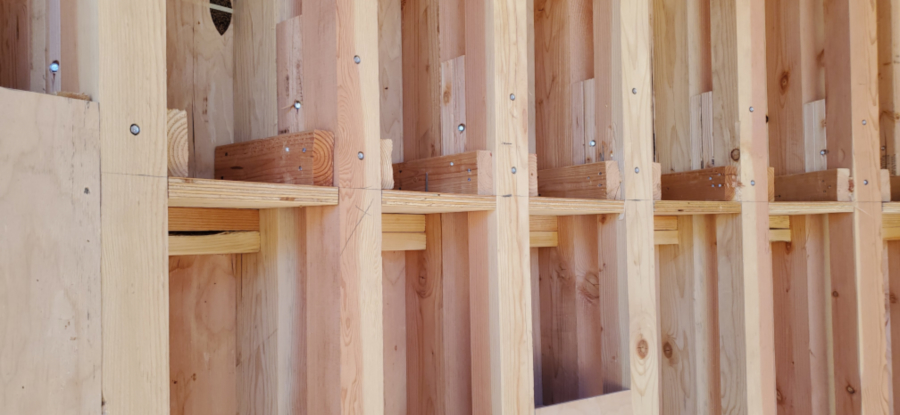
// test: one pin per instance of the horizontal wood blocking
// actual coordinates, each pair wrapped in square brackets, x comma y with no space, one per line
[618,403]
[205,219]
[214,244]
[809,208]
[779,235]
[779,222]
[599,180]
[387,171]
[540,239]
[297,158]
[464,173]
[185,192]
[403,241]
[401,201]
[696,207]
[178,143]
[827,185]
[716,184]
[544,231]
[402,232]
[895,188]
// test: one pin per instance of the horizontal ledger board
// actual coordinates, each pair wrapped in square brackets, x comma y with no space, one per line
[297,158]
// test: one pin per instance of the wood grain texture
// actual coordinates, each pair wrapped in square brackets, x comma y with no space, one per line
[387,169]
[214,244]
[585,181]
[402,223]
[888,82]
[255,71]
[289,70]
[827,185]
[244,195]
[421,80]
[202,324]
[295,158]
[394,241]
[200,219]
[453,105]
[465,173]
[553,206]
[718,183]
[178,143]
[50,283]
[814,139]
[618,403]
[394,280]
[673,207]
[390,62]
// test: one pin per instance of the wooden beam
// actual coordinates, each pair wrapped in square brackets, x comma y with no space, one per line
[717,183]
[780,235]
[828,185]
[665,238]
[585,181]
[296,158]
[289,75]
[390,62]
[670,207]
[567,207]
[245,195]
[395,241]
[809,208]
[401,201]
[779,222]
[214,244]
[178,142]
[393,223]
[421,80]
[204,220]
[465,173]
[544,239]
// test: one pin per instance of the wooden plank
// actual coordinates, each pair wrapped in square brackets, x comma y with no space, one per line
[585,181]
[779,222]
[421,80]
[401,201]
[465,173]
[202,220]
[532,175]
[296,158]
[657,181]
[390,61]
[394,272]
[665,238]
[885,182]
[888,82]
[665,223]
[814,143]
[453,106]
[178,143]
[892,258]
[214,244]
[255,71]
[703,149]
[779,235]
[402,223]
[543,239]
[50,210]
[289,73]
[891,234]
[671,207]
[550,206]
[809,208]
[827,185]
[244,195]
[543,223]
[718,183]
[456,314]
[536,332]
[579,247]
[394,241]
[202,325]
[387,170]
[618,403]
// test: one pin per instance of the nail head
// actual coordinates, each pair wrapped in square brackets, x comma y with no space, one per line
[512,97]
[634,91]
[752,182]
[513,170]
[751,109]
[54,67]
[637,169]
[297,105]
[357,59]
[361,155]
[864,122]
[461,128]
[593,143]
[135,129]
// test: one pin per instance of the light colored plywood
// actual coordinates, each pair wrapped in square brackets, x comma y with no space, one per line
[50,306]
[244,195]
[202,324]
[200,219]
[214,244]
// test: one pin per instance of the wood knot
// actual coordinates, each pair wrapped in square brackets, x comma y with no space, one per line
[835,294]
[643,348]
[667,350]
[736,154]
[892,298]
[778,396]
[850,390]
[785,80]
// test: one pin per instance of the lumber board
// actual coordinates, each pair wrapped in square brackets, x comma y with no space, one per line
[891,208]
[244,242]
[779,235]
[827,185]
[205,219]
[289,75]
[584,181]
[390,61]
[421,81]
[178,143]
[537,223]
[888,82]
[457,316]
[394,282]
[665,223]
[673,207]
[666,238]
[453,105]
[465,173]
[779,222]
[185,192]
[50,212]
[717,183]
[814,139]
[255,71]
[551,206]
[532,175]
[618,403]
[402,201]
[402,223]
[387,170]
[295,158]
[543,239]
[397,241]
[895,188]
[885,182]
[809,208]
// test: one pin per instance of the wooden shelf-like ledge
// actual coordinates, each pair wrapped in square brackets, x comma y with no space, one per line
[809,208]
[184,192]
[692,207]
[552,206]
[403,201]
[891,208]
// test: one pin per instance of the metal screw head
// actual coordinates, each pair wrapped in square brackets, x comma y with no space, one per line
[634,91]
[864,122]
[297,105]
[357,59]
[300,168]
[451,163]
[287,149]
[54,67]
[637,169]
[866,182]
[512,97]
[468,170]
[822,152]
[593,143]
[135,129]
[87,191]
[304,149]
[513,170]
[751,109]
[752,182]
[461,127]
[361,155]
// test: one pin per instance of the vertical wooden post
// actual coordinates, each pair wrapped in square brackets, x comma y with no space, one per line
[852,115]
[122,42]
[745,270]
[498,254]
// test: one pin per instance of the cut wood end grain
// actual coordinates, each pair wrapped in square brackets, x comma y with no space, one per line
[178,143]
[387,170]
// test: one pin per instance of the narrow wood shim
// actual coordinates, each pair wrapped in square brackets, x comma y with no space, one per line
[185,192]
[828,185]
[771,177]
[657,181]
[464,173]
[584,181]
[401,201]
[296,158]
[717,183]
[885,185]
[178,143]
[532,175]
[219,243]
[387,170]
[205,219]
